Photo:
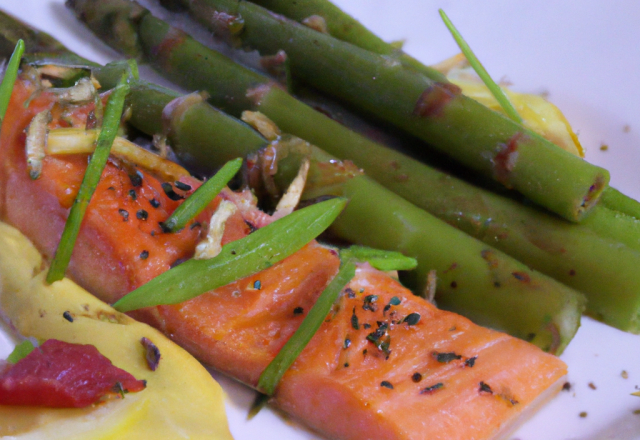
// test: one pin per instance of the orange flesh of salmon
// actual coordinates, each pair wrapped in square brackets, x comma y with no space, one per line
[357,390]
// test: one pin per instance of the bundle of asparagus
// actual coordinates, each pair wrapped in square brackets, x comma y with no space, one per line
[473,278]
[192,65]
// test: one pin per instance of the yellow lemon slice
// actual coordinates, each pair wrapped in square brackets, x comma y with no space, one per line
[181,399]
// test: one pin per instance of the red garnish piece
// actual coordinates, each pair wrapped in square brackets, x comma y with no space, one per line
[63,375]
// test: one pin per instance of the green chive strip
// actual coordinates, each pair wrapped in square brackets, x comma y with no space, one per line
[287,355]
[238,259]
[10,75]
[494,88]
[199,200]
[110,125]
[258,404]
[380,259]
[21,351]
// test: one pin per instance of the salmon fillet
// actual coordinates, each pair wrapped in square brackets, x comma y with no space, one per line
[384,365]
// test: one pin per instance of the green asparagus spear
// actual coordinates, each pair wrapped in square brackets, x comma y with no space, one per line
[434,111]
[36,41]
[344,27]
[398,172]
[593,263]
[617,201]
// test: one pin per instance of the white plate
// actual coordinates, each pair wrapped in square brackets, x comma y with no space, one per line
[586,56]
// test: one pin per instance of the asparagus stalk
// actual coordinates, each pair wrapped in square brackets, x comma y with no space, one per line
[36,41]
[615,200]
[169,47]
[435,112]
[342,26]
[593,263]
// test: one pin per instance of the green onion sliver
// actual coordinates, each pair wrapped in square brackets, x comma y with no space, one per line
[20,352]
[287,355]
[10,75]
[380,259]
[494,88]
[110,125]
[238,259]
[199,200]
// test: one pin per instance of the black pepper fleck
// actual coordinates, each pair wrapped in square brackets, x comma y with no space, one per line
[445,358]
[257,285]
[347,343]
[67,315]
[416,377]
[132,194]
[412,318]
[168,190]
[386,384]
[470,362]
[369,303]
[484,388]
[354,320]
[154,203]
[125,214]
[298,311]
[152,353]
[183,186]
[136,179]
[144,255]
[142,214]
[432,388]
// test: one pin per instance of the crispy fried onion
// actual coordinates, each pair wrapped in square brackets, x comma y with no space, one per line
[36,143]
[212,244]
[292,196]
[74,141]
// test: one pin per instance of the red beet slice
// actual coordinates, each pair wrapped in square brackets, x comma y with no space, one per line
[63,375]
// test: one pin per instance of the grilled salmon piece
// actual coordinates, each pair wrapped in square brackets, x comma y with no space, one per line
[389,365]
[384,365]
